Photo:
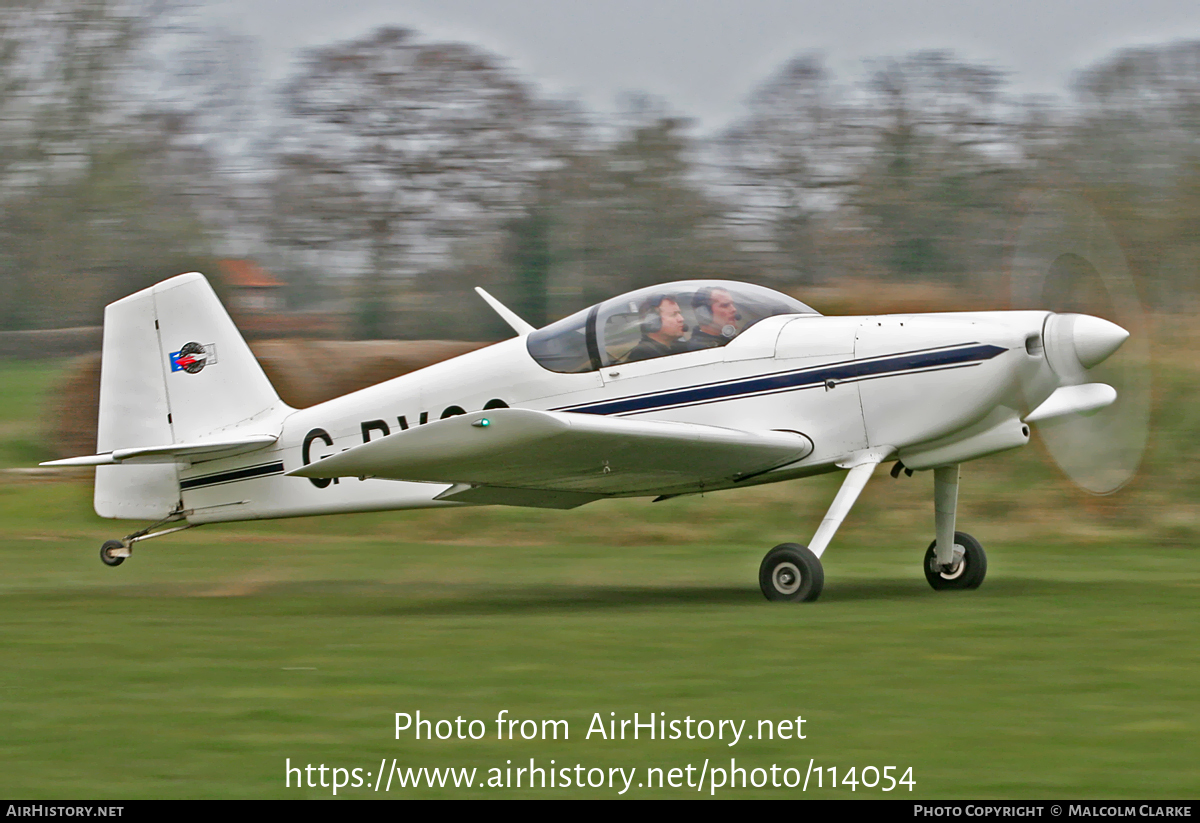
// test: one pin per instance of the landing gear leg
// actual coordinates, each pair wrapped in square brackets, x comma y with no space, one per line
[954,560]
[945,507]
[791,572]
[852,486]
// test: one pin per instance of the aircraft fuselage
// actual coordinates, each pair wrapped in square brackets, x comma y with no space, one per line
[925,386]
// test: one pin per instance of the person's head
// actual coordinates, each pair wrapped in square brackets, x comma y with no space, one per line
[715,309]
[662,320]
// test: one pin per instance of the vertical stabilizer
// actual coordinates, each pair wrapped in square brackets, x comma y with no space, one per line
[174,369]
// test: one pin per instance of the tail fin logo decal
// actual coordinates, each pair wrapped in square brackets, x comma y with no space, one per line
[193,357]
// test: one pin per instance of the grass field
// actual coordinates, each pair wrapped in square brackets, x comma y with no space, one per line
[23,388]
[197,667]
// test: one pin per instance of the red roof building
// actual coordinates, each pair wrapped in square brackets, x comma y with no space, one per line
[251,287]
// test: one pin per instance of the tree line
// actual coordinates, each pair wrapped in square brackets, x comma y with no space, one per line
[388,174]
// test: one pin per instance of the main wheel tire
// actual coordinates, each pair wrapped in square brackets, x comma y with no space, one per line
[791,573]
[969,569]
[106,555]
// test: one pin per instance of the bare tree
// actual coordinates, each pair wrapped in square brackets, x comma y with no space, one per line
[81,219]
[941,145]
[394,148]
[1135,141]
[790,162]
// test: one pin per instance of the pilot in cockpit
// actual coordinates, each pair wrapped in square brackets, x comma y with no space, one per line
[717,316]
[663,329]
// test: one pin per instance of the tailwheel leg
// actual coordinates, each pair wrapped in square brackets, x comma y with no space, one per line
[114,552]
[954,560]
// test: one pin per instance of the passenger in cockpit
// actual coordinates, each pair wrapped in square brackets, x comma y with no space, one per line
[663,328]
[717,315]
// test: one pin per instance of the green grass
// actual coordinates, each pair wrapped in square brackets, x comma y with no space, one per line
[198,666]
[24,389]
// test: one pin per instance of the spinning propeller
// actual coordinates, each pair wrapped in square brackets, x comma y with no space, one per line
[1066,260]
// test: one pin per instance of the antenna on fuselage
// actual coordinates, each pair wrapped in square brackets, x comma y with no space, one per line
[509,316]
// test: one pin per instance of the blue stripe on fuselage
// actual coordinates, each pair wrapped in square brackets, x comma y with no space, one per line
[784,381]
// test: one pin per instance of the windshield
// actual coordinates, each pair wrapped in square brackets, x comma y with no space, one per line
[654,322]
[563,346]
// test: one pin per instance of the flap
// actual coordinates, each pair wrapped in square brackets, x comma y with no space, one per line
[177,453]
[526,449]
[530,498]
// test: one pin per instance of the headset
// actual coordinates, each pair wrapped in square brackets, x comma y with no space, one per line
[651,319]
[702,305]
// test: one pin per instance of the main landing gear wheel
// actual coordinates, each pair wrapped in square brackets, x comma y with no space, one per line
[791,573]
[106,553]
[966,572]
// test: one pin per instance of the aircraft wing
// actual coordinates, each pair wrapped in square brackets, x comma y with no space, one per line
[561,459]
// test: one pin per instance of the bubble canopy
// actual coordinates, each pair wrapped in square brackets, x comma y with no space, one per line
[659,321]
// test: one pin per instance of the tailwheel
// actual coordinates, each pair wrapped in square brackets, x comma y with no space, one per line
[113,553]
[791,573]
[965,571]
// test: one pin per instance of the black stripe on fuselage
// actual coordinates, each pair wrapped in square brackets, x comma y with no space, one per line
[261,470]
[803,388]
[845,371]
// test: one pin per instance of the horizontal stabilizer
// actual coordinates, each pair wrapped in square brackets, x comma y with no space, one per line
[1072,399]
[563,451]
[176,453]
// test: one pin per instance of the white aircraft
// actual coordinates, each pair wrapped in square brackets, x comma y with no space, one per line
[682,388]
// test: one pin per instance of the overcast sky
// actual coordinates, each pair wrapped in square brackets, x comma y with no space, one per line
[705,56]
